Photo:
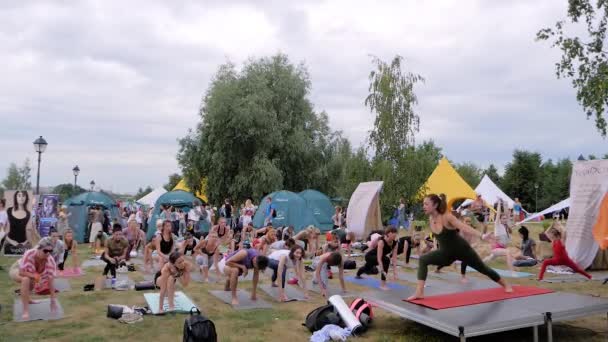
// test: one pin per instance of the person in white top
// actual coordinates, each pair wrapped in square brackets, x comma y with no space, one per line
[280,261]
[247,212]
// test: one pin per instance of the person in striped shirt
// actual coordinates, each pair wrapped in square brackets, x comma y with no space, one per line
[35,271]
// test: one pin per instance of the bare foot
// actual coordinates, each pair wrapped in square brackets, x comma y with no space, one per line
[384,288]
[235,301]
[275,285]
[25,316]
[415,296]
[508,289]
[171,308]
[464,280]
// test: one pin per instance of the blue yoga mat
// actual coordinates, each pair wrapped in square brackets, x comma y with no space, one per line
[506,273]
[373,282]
[183,304]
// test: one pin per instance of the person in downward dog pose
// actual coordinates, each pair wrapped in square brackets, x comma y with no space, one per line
[165,279]
[452,246]
[321,265]
[281,260]
[310,238]
[560,255]
[239,263]
[207,254]
[382,255]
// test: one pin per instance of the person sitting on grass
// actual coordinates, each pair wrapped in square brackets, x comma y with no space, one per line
[35,271]
[381,256]
[281,260]
[207,254]
[135,236]
[115,252]
[525,257]
[237,264]
[321,265]
[560,256]
[71,248]
[165,279]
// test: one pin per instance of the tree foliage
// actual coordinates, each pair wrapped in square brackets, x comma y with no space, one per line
[141,192]
[258,133]
[18,178]
[174,178]
[555,182]
[584,58]
[470,172]
[521,176]
[492,173]
[392,99]
[66,191]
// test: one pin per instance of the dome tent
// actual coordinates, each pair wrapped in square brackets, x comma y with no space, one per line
[291,211]
[78,209]
[321,207]
[176,198]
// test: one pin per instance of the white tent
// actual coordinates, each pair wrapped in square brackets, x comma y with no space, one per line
[490,193]
[556,207]
[151,198]
[363,213]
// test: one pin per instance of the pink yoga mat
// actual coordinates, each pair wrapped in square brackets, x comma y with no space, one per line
[70,272]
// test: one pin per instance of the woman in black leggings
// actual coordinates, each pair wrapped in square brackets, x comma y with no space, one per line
[381,256]
[452,246]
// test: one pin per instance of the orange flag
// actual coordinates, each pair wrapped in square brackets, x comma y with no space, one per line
[600,229]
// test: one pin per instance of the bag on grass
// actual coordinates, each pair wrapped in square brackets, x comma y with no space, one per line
[198,328]
[320,317]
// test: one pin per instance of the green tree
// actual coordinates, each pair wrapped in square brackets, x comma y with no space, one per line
[141,192]
[392,99]
[470,172]
[174,178]
[258,133]
[66,191]
[555,182]
[492,173]
[18,178]
[521,176]
[581,38]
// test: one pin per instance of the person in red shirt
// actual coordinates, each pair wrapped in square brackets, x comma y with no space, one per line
[560,255]
[35,271]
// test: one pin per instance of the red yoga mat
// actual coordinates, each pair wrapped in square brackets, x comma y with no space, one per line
[454,300]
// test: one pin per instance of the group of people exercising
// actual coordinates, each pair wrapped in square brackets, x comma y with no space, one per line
[280,249]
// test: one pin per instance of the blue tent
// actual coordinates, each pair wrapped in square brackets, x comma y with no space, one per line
[321,207]
[291,211]
[78,208]
[176,198]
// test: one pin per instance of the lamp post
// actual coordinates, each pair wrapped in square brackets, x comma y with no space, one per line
[92,185]
[40,146]
[76,171]
[536,201]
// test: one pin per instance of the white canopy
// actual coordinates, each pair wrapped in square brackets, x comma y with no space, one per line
[151,198]
[363,213]
[556,207]
[490,193]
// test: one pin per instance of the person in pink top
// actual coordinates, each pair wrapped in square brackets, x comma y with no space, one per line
[35,271]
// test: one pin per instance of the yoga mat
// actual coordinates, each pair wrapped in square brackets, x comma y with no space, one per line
[93,263]
[62,285]
[198,277]
[38,312]
[183,304]
[467,298]
[566,279]
[70,272]
[373,283]
[292,293]
[506,273]
[119,278]
[245,302]
[331,290]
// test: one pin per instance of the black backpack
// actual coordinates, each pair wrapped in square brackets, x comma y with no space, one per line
[198,328]
[320,317]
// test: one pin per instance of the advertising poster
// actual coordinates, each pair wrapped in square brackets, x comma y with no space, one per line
[48,214]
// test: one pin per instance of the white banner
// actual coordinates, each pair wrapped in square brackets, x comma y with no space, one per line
[588,185]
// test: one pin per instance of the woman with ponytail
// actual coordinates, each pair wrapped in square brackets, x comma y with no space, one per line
[452,246]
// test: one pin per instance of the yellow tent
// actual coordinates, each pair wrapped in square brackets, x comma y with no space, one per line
[445,180]
[182,186]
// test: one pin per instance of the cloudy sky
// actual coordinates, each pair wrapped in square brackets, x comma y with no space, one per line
[111,85]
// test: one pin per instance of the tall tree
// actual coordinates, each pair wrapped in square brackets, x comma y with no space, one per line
[581,38]
[522,175]
[141,192]
[470,172]
[258,133]
[67,190]
[492,173]
[174,178]
[392,99]
[18,178]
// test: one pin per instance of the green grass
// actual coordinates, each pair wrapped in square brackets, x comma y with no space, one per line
[85,316]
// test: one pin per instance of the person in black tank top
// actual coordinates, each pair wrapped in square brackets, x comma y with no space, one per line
[165,243]
[381,256]
[188,244]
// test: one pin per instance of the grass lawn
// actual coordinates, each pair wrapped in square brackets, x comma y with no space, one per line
[85,316]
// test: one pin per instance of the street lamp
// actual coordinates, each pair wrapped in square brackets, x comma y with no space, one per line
[92,185]
[536,202]
[40,146]
[76,171]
